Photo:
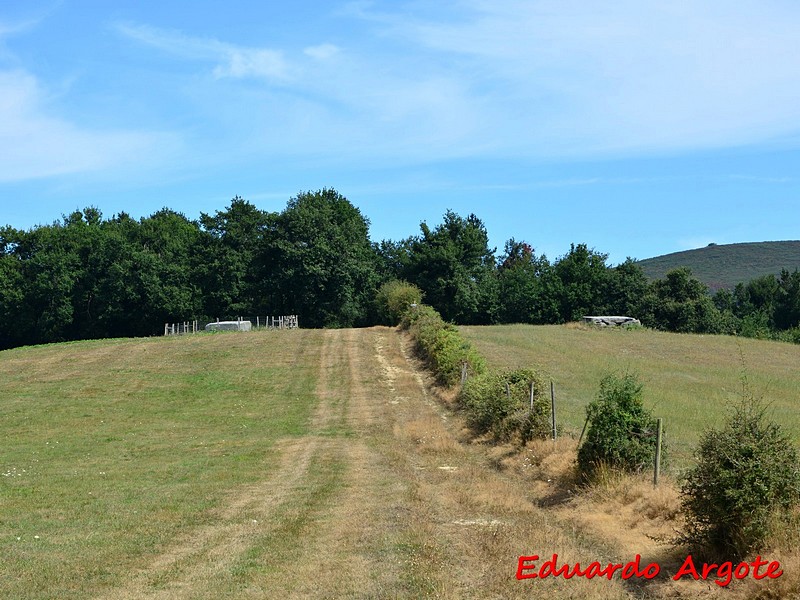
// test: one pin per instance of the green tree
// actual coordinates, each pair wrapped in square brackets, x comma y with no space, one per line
[230,269]
[626,285]
[526,292]
[681,303]
[11,288]
[319,263]
[454,267]
[584,278]
[787,305]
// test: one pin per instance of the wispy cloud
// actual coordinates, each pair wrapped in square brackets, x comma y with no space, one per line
[762,179]
[567,77]
[34,143]
[232,60]
[327,101]
[530,79]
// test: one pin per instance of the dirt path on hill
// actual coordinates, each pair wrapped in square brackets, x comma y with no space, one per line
[380,499]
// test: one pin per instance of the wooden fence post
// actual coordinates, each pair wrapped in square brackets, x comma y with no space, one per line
[553,406]
[532,393]
[657,466]
[585,423]
[463,373]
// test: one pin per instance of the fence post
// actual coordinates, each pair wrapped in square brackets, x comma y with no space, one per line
[657,466]
[553,406]
[166,328]
[585,423]
[532,394]
[463,373]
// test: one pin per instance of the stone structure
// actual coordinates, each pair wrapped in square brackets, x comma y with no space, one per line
[611,321]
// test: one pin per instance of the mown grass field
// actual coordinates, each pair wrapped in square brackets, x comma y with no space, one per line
[113,449]
[689,380]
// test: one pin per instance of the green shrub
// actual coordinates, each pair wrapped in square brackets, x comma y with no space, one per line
[746,474]
[441,345]
[394,298]
[506,412]
[756,325]
[789,335]
[622,432]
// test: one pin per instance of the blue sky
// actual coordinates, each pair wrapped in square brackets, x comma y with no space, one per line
[637,127]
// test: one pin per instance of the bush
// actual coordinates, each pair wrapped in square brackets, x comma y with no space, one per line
[441,346]
[622,432]
[506,414]
[746,472]
[394,298]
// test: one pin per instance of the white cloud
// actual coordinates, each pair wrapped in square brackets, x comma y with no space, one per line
[232,61]
[36,144]
[570,77]
[530,79]
[322,101]
[322,52]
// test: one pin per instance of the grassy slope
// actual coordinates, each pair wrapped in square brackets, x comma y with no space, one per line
[112,448]
[307,464]
[725,265]
[689,379]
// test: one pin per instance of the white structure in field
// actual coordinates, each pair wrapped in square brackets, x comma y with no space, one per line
[229,326]
[611,321]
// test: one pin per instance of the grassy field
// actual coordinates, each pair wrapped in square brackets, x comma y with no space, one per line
[111,449]
[689,380]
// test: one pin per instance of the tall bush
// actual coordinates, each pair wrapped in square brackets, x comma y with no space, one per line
[394,298]
[746,474]
[622,432]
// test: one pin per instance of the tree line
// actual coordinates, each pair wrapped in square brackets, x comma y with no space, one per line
[86,276]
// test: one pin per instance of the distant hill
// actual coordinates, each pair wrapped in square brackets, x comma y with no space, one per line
[725,265]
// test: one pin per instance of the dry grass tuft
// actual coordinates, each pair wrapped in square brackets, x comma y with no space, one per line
[429,435]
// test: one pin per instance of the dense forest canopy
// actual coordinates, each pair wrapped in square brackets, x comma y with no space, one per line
[85,276]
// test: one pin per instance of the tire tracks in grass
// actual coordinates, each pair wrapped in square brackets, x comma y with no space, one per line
[204,557]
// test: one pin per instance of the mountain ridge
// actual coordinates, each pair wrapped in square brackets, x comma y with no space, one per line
[725,265]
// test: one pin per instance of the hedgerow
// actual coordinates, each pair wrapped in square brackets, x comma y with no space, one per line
[499,402]
[441,345]
[496,402]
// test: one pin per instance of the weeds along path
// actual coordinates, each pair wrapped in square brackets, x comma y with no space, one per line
[379,499]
